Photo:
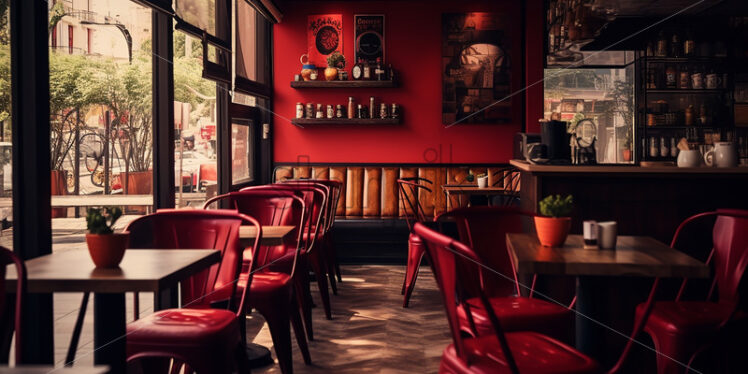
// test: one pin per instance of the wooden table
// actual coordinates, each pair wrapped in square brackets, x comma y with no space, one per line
[597,272]
[51,369]
[469,190]
[271,235]
[141,270]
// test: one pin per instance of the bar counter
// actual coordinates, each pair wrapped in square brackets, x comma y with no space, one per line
[644,200]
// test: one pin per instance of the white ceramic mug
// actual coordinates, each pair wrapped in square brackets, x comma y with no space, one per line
[689,159]
[483,182]
[607,234]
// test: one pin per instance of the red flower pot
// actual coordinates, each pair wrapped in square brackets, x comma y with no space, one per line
[552,231]
[107,250]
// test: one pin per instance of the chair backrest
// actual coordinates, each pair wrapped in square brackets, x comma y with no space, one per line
[327,209]
[336,188]
[200,229]
[484,230]
[314,198]
[11,310]
[270,207]
[409,189]
[730,237]
[446,254]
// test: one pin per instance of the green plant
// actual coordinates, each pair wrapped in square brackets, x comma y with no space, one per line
[481,175]
[557,206]
[101,220]
[336,60]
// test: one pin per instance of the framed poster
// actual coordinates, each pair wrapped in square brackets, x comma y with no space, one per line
[369,35]
[476,68]
[324,36]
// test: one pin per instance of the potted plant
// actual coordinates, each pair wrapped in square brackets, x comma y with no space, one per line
[105,247]
[335,61]
[553,225]
[626,151]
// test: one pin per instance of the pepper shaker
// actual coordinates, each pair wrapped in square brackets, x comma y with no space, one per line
[371,107]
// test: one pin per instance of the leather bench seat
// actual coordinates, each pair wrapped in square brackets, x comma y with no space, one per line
[371,191]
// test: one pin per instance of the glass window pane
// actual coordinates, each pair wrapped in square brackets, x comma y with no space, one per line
[246,45]
[199,13]
[6,146]
[101,115]
[242,158]
[603,97]
[196,164]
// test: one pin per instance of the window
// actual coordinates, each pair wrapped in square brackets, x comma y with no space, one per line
[195,124]
[242,157]
[251,47]
[6,145]
[101,115]
[602,97]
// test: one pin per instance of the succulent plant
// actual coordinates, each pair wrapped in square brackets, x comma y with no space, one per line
[557,206]
[101,220]
[336,60]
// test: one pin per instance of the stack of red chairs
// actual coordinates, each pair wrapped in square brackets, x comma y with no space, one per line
[408,189]
[483,229]
[199,337]
[275,285]
[454,265]
[681,329]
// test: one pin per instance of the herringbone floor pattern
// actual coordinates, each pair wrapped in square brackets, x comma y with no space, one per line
[370,331]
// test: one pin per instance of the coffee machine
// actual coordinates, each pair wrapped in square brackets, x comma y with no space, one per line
[555,136]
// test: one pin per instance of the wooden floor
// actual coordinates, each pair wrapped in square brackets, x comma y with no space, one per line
[370,331]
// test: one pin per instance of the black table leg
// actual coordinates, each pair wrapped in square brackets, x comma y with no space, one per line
[590,296]
[165,299]
[109,331]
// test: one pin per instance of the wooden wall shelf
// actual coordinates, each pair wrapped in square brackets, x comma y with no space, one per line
[343,84]
[304,122]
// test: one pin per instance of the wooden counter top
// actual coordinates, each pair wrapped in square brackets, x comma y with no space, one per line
[623,169]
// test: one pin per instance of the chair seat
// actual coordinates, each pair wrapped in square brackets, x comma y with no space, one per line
[686,317]
[533,353]
[520,314]
[184,327]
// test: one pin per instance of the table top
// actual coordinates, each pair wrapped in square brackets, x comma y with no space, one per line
[472,189]
[634,256]
[142,270]
[271,235]
[51,369]
[622,169]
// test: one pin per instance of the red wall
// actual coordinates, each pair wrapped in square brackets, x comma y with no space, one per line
[413,46]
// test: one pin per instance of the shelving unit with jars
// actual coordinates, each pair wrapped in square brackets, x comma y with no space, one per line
[686,92]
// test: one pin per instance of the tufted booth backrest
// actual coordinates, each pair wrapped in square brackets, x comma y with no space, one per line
[371,191]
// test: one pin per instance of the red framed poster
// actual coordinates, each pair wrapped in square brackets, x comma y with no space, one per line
[324,36]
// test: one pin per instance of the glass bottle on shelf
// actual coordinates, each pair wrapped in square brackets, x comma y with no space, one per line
[670,80]
[664,150]
[367,76]
[689,45]
[661,48]
[653,149]
[683,77]
[357,71]
[673,147]
[676,49]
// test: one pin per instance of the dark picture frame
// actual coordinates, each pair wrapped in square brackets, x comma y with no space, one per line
[477,74]
[369,37]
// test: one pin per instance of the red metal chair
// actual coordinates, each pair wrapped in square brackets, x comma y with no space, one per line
[315,199]
[336,188]
[204,339]
[11,307]
[484,229]
[408,189]
[272,290]
[453,264]
[326,248]
[682,329]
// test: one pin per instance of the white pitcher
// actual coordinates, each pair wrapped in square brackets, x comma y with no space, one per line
[724,155]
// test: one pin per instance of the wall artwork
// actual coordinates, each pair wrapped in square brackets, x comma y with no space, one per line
[369,35]
[324,36]
[476,80]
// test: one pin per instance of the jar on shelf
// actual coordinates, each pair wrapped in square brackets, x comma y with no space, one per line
[320,112]
[307,69]
[299,110]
